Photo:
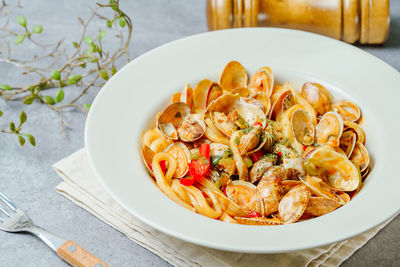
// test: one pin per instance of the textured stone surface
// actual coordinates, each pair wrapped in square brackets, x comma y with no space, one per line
[26,174]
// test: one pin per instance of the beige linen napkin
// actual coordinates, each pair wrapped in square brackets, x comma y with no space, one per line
[81,187]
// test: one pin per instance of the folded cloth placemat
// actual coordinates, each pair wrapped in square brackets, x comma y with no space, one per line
[81,187]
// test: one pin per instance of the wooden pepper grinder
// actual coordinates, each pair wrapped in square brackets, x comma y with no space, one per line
[366,21]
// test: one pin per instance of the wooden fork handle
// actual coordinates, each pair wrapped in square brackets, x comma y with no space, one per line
[75,255]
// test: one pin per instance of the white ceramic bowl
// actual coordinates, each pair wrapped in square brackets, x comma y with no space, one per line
[129,101]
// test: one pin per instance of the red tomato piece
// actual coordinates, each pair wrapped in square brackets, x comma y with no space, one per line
[254,214]
[187,181]
[205,150]
[256,156]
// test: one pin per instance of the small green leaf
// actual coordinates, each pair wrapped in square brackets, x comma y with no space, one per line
[5,87]
[83,65]
[74,79]
[87,106]
[113,70]
[75,44]
[112,2]
[37,29]
[48,100]
[55,75]
[90,50]
[22,118]
[31,139]
[122,22]
[1,112]
[29,99]
[103,74]
[60,96]
[21,20]
[101,34]
[109,23]
[12,127]
[88,40]
[21,140]
[19,39]
[42,85]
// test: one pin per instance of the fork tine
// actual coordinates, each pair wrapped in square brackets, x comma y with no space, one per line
[8,202]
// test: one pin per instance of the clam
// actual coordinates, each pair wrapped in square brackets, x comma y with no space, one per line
[187,95]
[347,109]
[318,206]
[264,100]
[233,76]
[357,129]
[251,142]
[289,184]
[182,155]
[263,81]
[302,127]
[294,203]
[204,93]
[176,122]
[294,164]
[259,221]
[336,169]
[261,166]
[344,197]
[192,128]
[242,92]
[176,98]
[278,98]
[240,192]
[317,96]
[269,192]
[360,157]
[229,113]
[329,129]
[319,188]
[172,117]
[298,99]
[347,142]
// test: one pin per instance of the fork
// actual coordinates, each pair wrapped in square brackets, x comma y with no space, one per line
[13,219]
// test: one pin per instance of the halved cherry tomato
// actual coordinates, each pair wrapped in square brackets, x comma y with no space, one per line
[256,156]
[205,150]
[163,166]
[254,214]
[187,181]
[199,167]
[258,123]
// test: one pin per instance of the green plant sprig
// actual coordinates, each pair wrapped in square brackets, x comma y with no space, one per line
[87,66]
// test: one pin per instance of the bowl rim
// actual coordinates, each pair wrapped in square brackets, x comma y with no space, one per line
[201,219]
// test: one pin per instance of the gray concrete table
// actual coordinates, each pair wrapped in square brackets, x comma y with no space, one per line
[26,174]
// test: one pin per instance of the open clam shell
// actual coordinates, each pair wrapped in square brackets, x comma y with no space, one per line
[336,169]
[242,91]
[347,109]
[233,76]
[259,221]
[147,156]
[360,156]
[240,192]
[264,100]
[229,206]
[329,129]
[302,127]
[347,142]
[192,128]
[318,206]
[320,188]
[315,94]
[294,203]
[263,81]
[277,100]
[187,96]
[200,94]
[357,129]
[172,117]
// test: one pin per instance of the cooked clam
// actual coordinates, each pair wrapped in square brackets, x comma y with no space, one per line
[302,127]
[294,203]
[171,118]
[278,98]
[234,76]
[329,129]
[347,142]
[147,157]
[263,81]
[348,110]
[319,188]
[318,206]
[229,206]
[261,166]
[204,93]
[317,96]
[240,192]
[242,92]
[336,169]
[357,129]
[259,221]
[187,95]
[250,141]
[192,128]
[360,157]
